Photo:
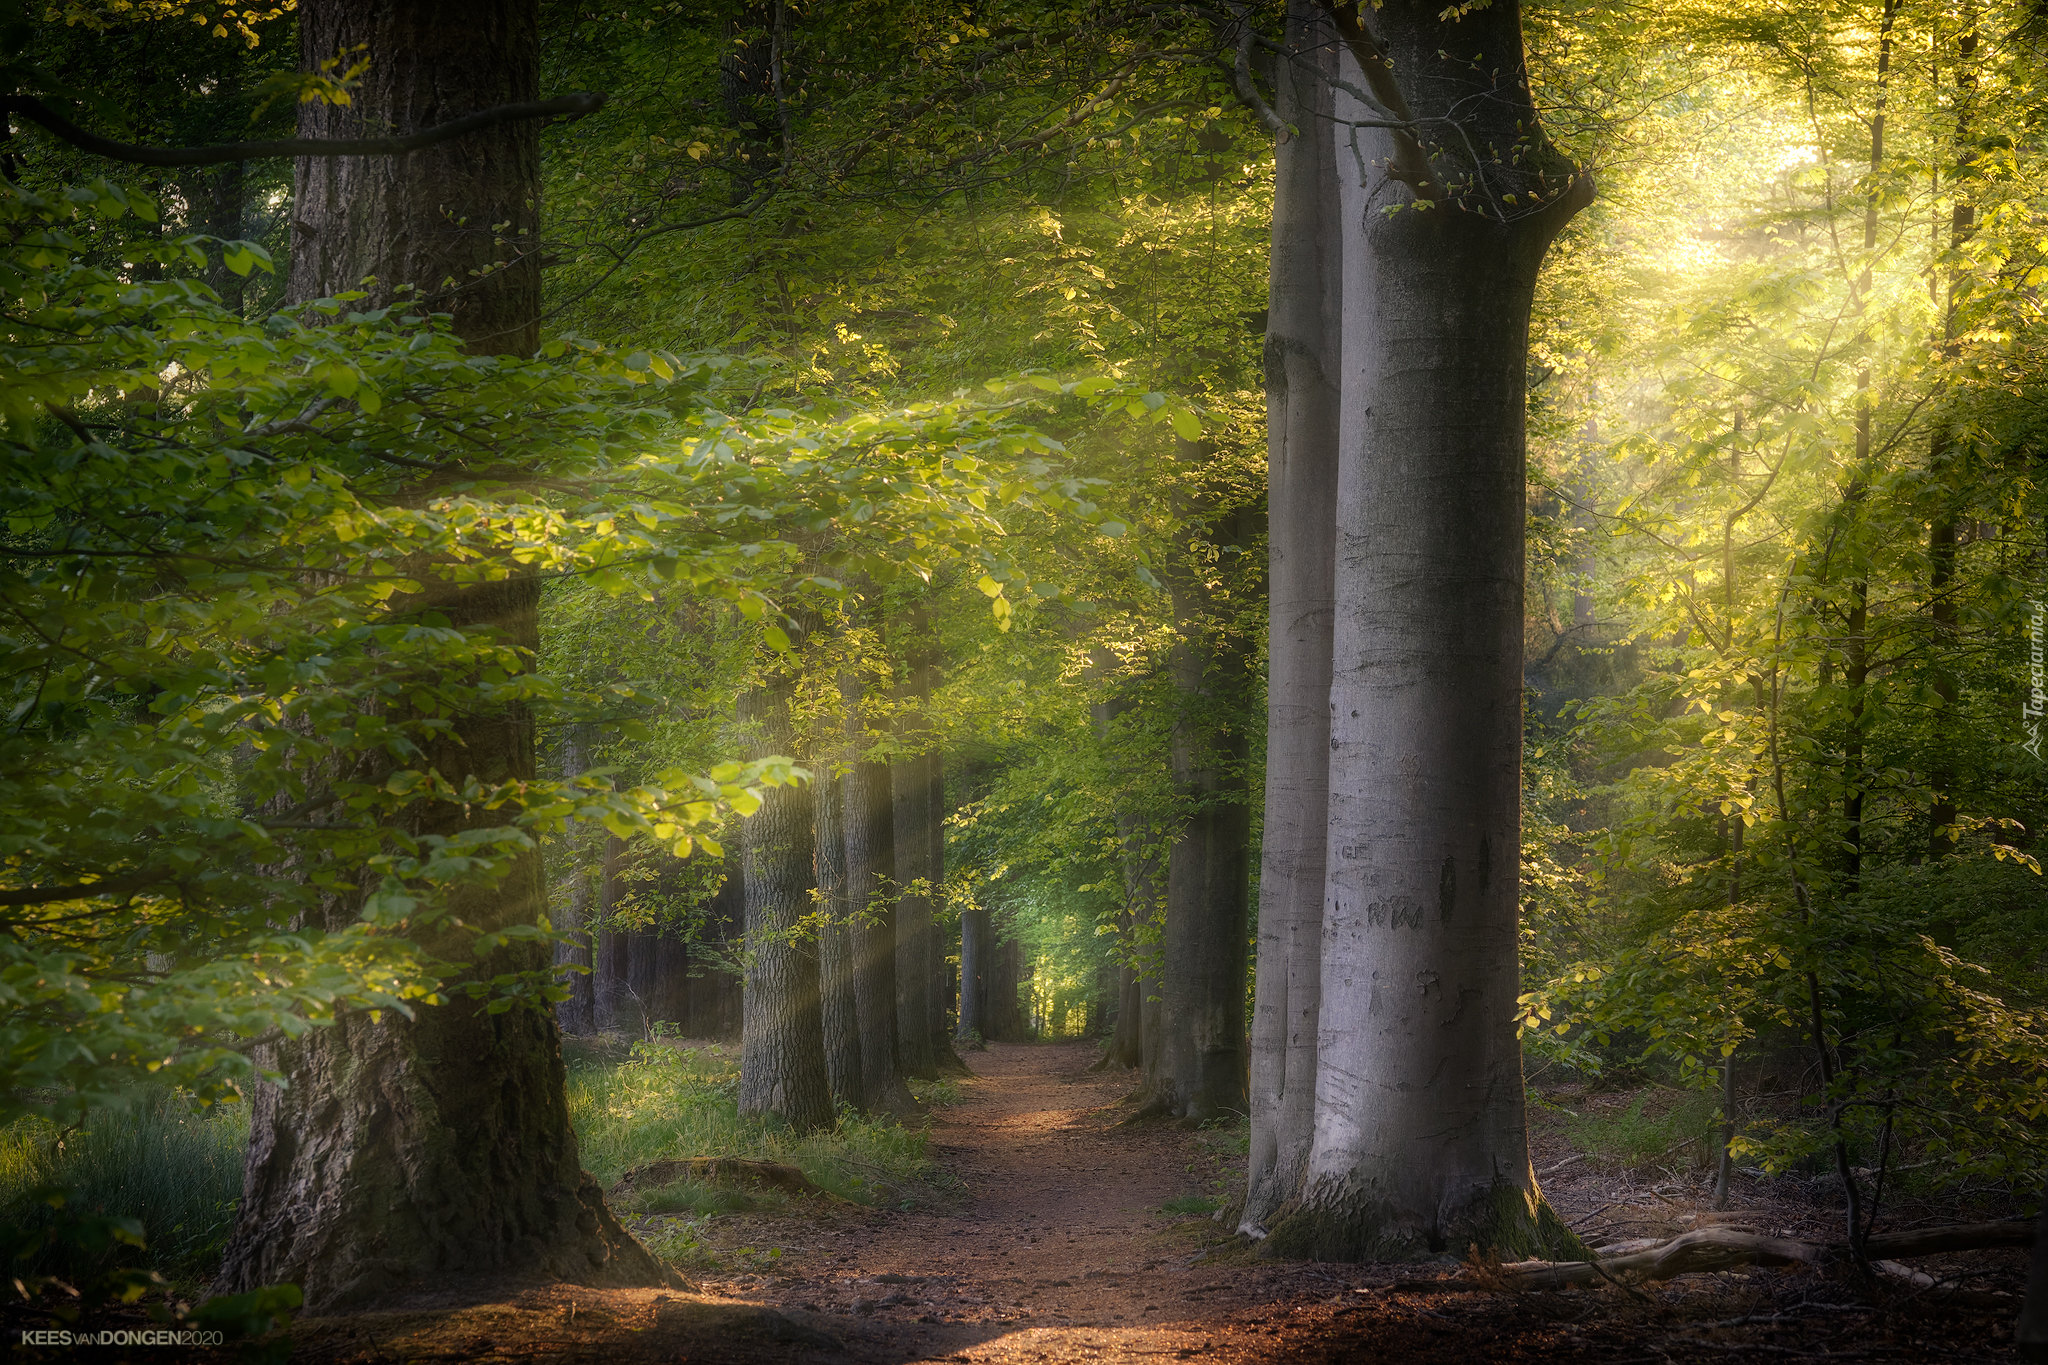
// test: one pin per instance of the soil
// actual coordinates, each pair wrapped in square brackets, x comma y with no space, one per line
[1054,1244]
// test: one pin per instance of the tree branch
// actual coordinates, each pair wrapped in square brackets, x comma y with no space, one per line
[215,154]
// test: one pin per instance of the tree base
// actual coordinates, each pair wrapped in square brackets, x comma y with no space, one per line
[1506,1222]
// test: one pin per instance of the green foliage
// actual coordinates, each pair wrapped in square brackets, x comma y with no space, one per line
[1636,1136]
[667,1103]
[174,1174]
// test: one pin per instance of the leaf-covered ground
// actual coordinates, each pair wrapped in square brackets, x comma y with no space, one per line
[1058,1243]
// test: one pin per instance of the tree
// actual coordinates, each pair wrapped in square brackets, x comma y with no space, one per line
[1302,348]
[1450,197]
[431,1149]
[782,1038]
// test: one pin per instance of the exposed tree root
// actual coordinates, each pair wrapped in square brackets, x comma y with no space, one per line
[1722,1248]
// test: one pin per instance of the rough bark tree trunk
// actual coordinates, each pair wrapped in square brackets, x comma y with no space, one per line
[782,1035]
[428,1154]
[869,835]
[1302,359]
[835,948]
[1420,1141]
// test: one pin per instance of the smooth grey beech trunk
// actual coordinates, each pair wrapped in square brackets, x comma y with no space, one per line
[1419,1143]
[782,1031]
[869,828]
[1303,343]
[841,1015]
[431,1155]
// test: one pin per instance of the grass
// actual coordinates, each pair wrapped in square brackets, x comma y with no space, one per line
[666,1103]
[178,1172]
[1652,1128]
[1189,1204]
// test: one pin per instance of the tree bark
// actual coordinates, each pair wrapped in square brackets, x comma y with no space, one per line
[1203,1059]
[2031,1332]
[835,949]
[782,1034]
[459,221]
[1420,1143]
[614,945]
[419,1155]
[974,945]
[576,1014]
[916,868]
[1302,359]
[869,834]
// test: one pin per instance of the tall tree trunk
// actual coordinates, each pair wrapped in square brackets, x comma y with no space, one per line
[870,840]
[614,945]
[944,982]
[916,866]
[1420,1142]
[577,1013]
[714,1003]
[413,1155]
[835,948]
[1126,1047]
[1206,884]
[782,1034]
[1302,365]
[974,946]
[670,1001]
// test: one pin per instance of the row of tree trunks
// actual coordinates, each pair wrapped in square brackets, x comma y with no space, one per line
[1443,197]
[1201,1060]
[408,1155]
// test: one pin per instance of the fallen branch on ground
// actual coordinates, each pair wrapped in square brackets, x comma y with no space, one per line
[1726,1248]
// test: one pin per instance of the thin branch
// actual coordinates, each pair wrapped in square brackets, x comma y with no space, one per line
[217,153]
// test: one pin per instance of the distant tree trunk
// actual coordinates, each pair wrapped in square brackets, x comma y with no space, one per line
[836,949]
[670,1001]
[1420,1142]
[782,1034]
[869,835]
[614,945]
[409,1155]
[944,983]
[1203,970]
[2032,1331]
[577,1014]
[916,870]
[974,945]
[714,1004]
[643,975]
[1005,1010]
[1126,1047]
[1302,375]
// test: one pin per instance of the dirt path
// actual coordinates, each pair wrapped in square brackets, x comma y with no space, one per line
[1056,1247]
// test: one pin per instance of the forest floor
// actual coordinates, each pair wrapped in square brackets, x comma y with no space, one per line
[1054,1240]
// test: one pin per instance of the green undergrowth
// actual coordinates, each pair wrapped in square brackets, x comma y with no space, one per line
[175,1172]
[1655,1128]
[666,1103]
